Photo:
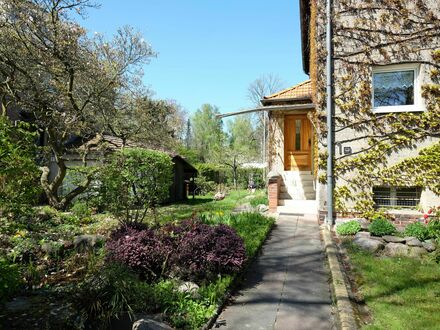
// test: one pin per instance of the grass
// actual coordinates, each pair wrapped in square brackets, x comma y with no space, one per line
[186,209]
[401,293]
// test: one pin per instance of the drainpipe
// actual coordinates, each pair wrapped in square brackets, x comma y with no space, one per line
[330,140]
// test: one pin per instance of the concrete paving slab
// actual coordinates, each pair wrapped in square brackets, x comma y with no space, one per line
[287,286]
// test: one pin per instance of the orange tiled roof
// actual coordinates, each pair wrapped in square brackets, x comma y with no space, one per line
[300,91]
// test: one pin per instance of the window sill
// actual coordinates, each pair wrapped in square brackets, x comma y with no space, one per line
[391,109]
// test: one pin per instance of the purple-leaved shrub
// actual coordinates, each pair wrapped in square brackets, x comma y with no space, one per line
[139,248]
[189,250]
[204,251]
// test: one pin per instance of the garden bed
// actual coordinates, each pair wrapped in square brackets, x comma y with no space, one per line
[90,292]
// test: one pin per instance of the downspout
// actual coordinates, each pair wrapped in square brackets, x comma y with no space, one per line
[330,138]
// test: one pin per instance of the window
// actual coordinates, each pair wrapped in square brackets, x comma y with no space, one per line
[397,197]
[396,88]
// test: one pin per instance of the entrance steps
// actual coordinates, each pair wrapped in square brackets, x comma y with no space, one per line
[297,207]
[297,185]
[297,193]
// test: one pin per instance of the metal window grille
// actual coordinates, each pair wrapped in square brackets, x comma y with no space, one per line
[401,197]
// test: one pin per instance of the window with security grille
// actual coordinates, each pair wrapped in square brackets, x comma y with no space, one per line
[400,197]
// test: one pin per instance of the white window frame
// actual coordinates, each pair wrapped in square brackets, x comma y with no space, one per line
[418,101]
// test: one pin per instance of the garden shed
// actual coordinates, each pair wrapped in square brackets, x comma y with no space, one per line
[184,172]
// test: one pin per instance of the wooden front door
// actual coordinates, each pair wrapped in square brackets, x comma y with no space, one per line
[297,143]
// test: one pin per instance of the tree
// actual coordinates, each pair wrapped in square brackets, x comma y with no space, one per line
[263,86]
[134,182]
[241,146]
[188,134]
[208,135]
[366,35]
[67,81]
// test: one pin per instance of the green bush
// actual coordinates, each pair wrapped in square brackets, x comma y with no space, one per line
[211,172]
[135,181]
[417,230]
[19,174]
[381,227]
[257,200]
[204,186]
[433,229]
[349,228]
[81,210]
[109,293]
[10,279]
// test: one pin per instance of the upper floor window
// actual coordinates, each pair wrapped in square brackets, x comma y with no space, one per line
[396,88]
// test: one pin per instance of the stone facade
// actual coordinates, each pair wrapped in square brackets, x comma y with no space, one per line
[344,66]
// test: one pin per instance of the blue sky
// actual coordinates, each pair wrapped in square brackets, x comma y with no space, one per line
[209,51]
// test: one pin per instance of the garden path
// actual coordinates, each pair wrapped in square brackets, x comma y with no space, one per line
[287,286]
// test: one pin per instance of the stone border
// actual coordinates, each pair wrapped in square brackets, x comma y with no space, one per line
[344,308]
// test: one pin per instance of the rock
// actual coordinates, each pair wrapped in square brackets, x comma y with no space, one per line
[219,196]
[87,242]
[429,246]
[393,239]
[363,234]
[262,208]
[247,207]
[412,241]
[416,252]
[363,222]
[188,287]
[396,250]
[368,244]
[150,324]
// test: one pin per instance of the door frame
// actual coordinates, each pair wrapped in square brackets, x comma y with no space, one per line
[311,134]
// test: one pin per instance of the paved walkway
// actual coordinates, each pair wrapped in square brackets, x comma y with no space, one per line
[287,287]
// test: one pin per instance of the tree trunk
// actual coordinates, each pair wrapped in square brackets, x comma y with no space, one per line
[51,188]
[235,170]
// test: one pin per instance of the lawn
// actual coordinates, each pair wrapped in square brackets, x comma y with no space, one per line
[200,204]
[401,293]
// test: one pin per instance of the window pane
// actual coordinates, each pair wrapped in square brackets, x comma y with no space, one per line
[393,88]
[298,134]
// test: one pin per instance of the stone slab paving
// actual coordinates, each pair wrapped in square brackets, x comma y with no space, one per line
[288,285]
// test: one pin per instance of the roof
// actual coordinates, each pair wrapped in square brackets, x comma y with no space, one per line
[113,143]
[304,6]
[299,92]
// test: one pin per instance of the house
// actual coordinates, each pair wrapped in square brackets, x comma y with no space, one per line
[379,74]
[184,172]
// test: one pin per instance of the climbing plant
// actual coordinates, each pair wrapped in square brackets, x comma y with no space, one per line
[375,33]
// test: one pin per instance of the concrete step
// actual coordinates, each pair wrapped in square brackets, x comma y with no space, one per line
[292,190]
[297,195]
[298,207]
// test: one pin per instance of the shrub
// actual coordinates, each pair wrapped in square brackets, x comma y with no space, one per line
[349,228]
[81,210]
[139,248]
[433,229]
[135,181]
[381,227]
[110,293]
[417,230]
[259,200]
[204,186]
[205,251]
[10,279]
[211,172]
[190,250]
[19,184]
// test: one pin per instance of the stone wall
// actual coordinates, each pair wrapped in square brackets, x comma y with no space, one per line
[343,68]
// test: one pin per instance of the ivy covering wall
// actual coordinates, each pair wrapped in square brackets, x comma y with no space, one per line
[369,34]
